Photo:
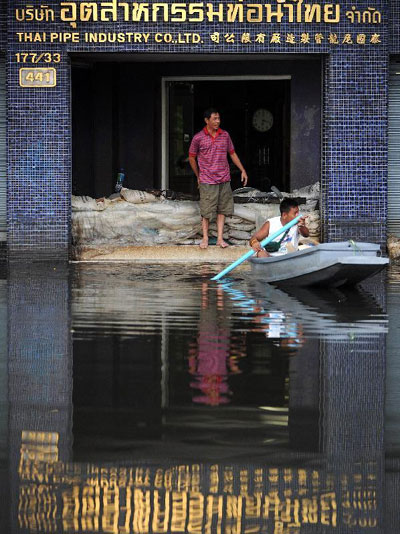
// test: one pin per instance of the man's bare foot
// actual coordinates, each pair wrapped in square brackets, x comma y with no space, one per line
[222,244]
[203,243]
[262,254]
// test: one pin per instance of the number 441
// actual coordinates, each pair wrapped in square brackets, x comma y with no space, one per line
[38,77]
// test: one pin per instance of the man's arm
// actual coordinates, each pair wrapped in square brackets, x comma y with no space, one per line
[237,162]
[304,231]
[261,234]
[195,168]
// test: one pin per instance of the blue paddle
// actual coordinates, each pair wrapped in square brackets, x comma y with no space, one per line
[251,252]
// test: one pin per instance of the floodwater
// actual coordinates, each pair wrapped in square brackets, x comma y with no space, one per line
[147,399]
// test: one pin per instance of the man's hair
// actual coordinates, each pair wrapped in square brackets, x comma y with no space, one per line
[287,204]
[208,112]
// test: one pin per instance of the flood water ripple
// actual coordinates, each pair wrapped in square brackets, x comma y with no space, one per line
[147,399]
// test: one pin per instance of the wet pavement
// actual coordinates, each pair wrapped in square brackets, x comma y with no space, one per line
[147,399]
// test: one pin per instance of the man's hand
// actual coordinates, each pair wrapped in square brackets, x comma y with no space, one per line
[236,161]
[195,168]
[255,244]
[304,231]
[302,222]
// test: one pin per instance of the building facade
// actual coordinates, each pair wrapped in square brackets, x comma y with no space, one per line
[307,90]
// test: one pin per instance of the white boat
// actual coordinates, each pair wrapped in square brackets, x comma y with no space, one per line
[329,264]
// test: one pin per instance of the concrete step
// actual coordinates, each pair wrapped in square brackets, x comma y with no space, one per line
[170,254]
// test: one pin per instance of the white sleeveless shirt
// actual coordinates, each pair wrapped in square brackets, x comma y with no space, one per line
[291,237]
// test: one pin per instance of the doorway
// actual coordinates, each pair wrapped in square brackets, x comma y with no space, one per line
[254,110]
[140,112]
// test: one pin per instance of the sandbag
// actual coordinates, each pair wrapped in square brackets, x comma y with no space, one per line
[191,241]
[172,237]
[237,234]
[134,196]
[244,226]
[244,212]
[313,223]
[86,203]
[239,242]
[309,191]
[233,220]
[393,244]
[214,233]
[310,205]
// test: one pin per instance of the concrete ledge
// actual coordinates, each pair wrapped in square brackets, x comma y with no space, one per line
[155,254]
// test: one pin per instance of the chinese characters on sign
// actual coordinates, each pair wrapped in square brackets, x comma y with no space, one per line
[293,39]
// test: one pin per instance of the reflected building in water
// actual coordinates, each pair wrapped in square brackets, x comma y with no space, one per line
[197,410]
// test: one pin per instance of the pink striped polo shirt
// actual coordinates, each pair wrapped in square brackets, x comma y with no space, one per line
[211,155]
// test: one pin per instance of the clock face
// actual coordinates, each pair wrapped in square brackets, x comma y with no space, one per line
[262,120]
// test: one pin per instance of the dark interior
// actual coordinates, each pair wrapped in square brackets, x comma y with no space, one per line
[265,154]
[117,119]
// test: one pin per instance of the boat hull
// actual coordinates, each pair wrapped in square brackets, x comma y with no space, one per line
[329,264]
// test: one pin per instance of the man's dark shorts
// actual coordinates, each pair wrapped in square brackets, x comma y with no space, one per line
[216,198]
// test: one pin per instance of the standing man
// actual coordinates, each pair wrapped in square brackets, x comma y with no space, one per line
[210,146]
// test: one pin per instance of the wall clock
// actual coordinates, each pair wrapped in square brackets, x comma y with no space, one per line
[262,120]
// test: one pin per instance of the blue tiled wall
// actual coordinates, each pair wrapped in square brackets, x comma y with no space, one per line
[354,133]
[39,175]
[354,178]
[39,363]
[394,26]
[3,25]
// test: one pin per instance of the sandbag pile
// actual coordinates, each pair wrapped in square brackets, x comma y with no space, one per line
[310,192]
[125,223]
[250,217]
[393,246]
[140,218]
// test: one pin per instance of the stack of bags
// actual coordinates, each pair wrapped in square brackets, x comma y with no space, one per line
[140,218]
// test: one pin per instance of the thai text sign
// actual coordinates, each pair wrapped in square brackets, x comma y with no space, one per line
[281,11]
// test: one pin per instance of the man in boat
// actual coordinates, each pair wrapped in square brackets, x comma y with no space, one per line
[286,242]
[208,159]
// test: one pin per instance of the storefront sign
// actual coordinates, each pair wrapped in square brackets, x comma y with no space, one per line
[259,38]
[244,24]
[198,12]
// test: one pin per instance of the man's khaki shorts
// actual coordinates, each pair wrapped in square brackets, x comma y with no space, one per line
[216,198]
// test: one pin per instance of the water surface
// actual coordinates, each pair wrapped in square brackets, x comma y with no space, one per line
[145,398]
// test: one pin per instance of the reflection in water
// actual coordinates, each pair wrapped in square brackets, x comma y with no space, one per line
[152,401]
[209,357]
[322,312]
